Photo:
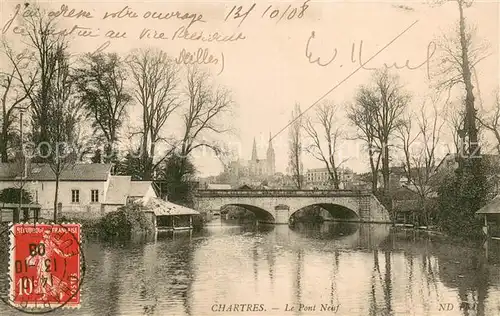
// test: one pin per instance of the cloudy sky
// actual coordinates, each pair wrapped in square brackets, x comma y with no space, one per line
[269,70]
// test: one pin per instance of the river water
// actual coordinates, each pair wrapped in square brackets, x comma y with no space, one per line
[329,268]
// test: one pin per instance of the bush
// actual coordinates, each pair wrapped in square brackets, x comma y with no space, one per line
[460,196]
[125,222]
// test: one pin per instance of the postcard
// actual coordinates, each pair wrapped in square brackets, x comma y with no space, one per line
[250,157]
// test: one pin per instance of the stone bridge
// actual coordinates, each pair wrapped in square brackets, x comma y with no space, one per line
[277,206]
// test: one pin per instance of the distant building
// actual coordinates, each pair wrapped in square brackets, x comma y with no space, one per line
[320,178]
[85,190]
[253,171]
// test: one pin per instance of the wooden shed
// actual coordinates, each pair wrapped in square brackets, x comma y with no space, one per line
[491,215]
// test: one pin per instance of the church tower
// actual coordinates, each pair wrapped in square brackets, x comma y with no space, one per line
[254,151]
[271,167]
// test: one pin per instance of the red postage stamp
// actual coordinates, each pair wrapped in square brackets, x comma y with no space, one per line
[45,265]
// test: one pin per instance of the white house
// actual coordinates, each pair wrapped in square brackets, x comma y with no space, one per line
[85,190]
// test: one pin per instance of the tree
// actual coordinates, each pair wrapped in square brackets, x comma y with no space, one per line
[13,95]
[376,113]
[207,106]
[461,52]
[131,165]
[295,147]
[420,160]
[362,115]
[178,189]
[100,81]
[466,191]
[155,77]
[324,136]
[65,113]
[14,195]
[491,122]
[43,45]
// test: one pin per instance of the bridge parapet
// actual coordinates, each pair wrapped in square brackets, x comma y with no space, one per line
[281,193]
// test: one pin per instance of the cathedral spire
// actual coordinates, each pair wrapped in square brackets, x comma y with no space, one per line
[270,157]
[254,150]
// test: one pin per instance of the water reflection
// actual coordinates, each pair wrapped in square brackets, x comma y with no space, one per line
[362,269]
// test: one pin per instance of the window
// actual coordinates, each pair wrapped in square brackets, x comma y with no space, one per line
[75,196]
[94,196]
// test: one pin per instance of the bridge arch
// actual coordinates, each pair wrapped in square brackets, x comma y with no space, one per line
[260,213]
[337,211]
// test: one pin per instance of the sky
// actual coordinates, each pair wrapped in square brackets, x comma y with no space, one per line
[276,65]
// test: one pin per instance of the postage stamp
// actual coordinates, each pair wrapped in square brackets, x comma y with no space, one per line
[45,266]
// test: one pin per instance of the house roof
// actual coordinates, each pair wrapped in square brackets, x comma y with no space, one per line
[493,207]
[139,188]
[43,172]
[164,208]
[118,190]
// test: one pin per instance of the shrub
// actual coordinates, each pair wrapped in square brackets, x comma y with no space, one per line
[125,222]
[460,196]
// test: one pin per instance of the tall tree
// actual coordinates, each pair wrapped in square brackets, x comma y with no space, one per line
[362,115]
[324,137]
[12,96]
[377,113]
[461,52]
[466,191]
[43,44]
[101,83]
[155,77]
[207,107]
[65,113]
[295,147]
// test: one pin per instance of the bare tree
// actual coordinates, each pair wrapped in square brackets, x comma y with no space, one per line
[362,115]
[420,156]
[155,77]
[101,83]
[295,147]
[491,121]
[43,44]
[12,96]
[64,115]
[206,107]
[324,136]
[405,133]
[377,113]
[461,53]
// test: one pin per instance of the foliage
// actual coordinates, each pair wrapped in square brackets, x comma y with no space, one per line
[175,177]
[130,166]
[124,222]
[460,196]
[12,195]
[100,82]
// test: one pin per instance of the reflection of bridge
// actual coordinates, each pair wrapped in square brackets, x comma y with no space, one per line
[276,206]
